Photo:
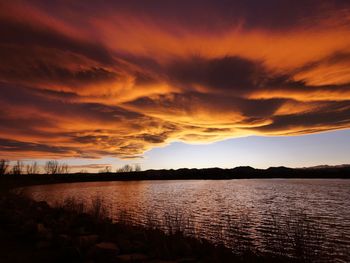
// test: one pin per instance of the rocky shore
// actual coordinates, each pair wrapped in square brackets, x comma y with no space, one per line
[35,232]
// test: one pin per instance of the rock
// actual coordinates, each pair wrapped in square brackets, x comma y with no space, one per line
[82,224]
[43,244]
[186,260]
[64,240]
[48,220]
[107,246]
[44,232]
[40,228]
[15,217]
[180,260]
[138,246]
[42,206]
[125,245]
[104,252]
[29,228]
[135,257]
[71,254]
[87,240]
[81,230]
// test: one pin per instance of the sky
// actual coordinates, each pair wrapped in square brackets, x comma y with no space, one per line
[172,84]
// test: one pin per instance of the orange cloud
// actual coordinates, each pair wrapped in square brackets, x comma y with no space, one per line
[116,79]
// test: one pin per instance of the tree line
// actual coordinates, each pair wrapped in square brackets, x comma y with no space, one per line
[53,167]
[18,168]
[124,169]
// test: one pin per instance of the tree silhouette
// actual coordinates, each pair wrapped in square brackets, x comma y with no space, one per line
[129,168]
[54,167]
[4,165]
[137,168]
[17,168]
[32,168]
[107,169]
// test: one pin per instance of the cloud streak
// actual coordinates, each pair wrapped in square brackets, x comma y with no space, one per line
[91,79]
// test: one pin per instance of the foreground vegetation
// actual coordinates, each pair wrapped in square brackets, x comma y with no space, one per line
[76,232]
[69,233]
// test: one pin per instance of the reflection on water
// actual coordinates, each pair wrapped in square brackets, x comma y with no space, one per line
[267,214]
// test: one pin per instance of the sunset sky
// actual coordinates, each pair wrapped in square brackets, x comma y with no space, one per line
[170,84]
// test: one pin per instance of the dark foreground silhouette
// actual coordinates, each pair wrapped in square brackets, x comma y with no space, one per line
[33,231]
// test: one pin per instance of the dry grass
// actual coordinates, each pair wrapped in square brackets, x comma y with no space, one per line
[97,209]
[294,237]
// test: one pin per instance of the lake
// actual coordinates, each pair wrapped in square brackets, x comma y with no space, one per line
[275,215]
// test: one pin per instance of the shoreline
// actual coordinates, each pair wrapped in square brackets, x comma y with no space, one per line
[13,181]
[35,229]
[37,232]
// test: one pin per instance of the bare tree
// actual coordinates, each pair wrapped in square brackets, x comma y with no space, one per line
[126,168]
[4,165]
[54,167]
[51,167]
[137,168]
[17,168]
[63,168]
[107,169]
[32,168]
[129,168]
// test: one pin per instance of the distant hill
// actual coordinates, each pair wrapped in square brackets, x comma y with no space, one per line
[328,166]
[243,172]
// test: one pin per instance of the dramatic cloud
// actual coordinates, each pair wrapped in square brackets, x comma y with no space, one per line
[117,78]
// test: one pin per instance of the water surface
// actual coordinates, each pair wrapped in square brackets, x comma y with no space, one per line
[262,214]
